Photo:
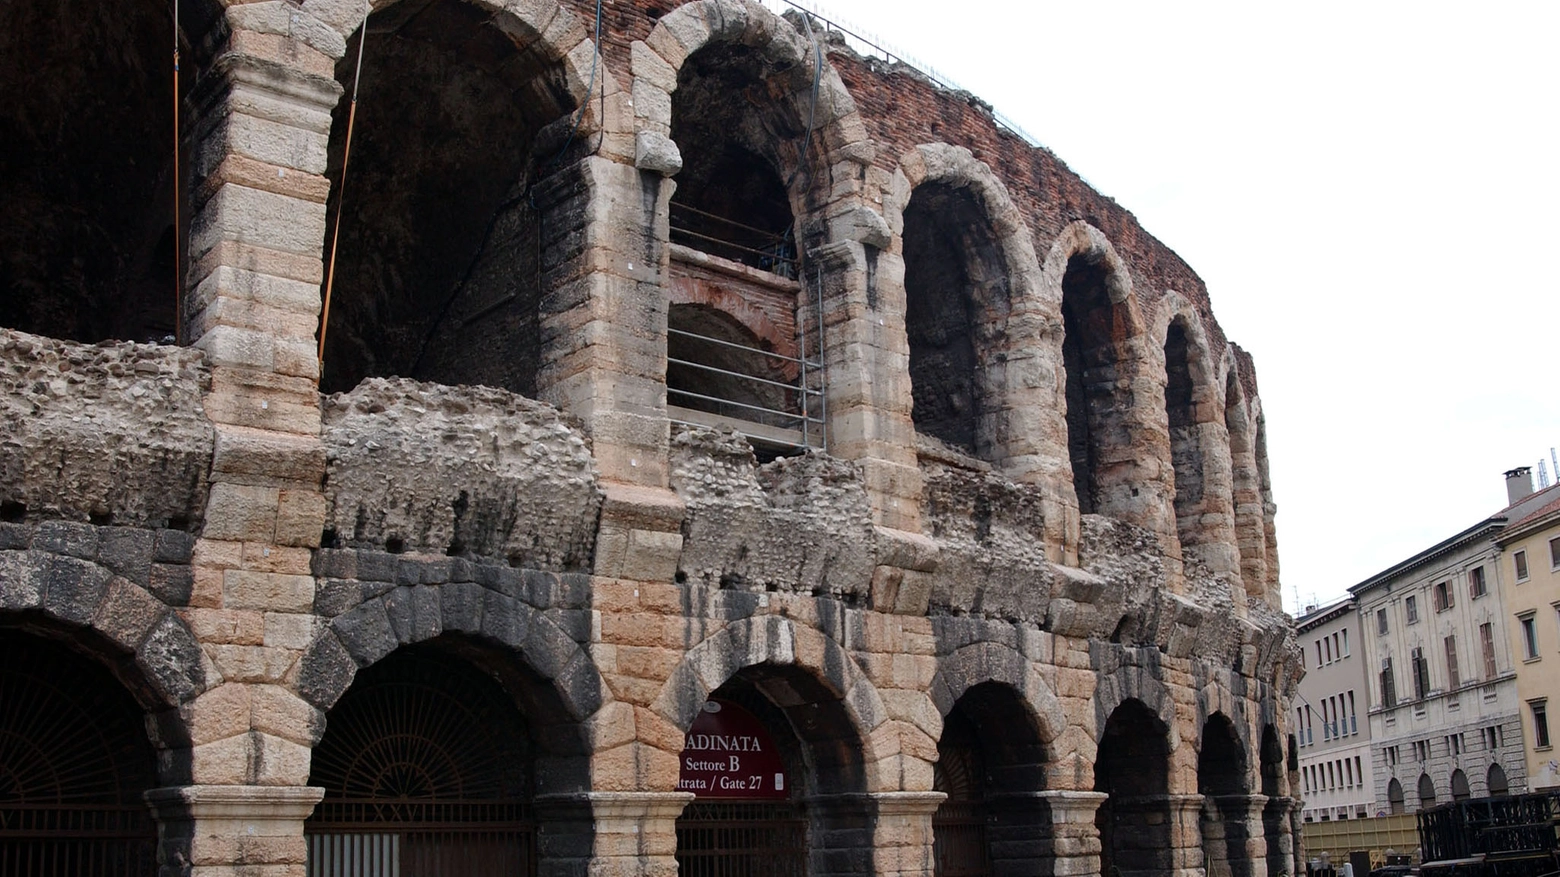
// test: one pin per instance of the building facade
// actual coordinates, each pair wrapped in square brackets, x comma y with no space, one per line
[1333,735]
[574,435]
[1530,578]
[1445,717]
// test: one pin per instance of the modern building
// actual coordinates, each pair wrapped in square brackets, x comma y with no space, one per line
[1332,731]
[1529,577]
[1445,711]
[665,441]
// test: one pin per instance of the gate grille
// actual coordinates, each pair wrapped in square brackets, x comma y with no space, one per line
[43,841]
[959,837]
[381,837]
[741,840]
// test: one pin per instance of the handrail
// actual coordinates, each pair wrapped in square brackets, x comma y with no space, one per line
[744,347]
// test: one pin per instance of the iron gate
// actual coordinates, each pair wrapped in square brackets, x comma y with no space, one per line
[741,840]
[379,837]
[77,841]
[959,839]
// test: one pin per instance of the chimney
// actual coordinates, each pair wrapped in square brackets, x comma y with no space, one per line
[1519,484]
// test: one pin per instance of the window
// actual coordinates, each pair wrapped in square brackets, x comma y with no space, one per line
[1454,744]
[1443,596]
[1411,606]
[1476,582]
[1392,756]
[1421,751]
[1381,621]
[1319,661]
[1354,716]
[1388,686]
[1529,636]
[1416,658]
[1554,553]
[1519,562]
[1491,737]
[1453,675]
[1345,642]
[1328,641]
[1540,723]
[1487,643]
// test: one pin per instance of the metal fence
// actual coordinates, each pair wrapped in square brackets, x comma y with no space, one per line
[959,840]
[77,841]
[741,840]
[383,837]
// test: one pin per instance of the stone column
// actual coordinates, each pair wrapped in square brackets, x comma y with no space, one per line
[636,833]
[1185,813]
[1281,829]
[226,831]
[903,841]
[1075,839]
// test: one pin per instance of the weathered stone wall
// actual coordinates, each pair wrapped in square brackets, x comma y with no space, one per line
[239,547]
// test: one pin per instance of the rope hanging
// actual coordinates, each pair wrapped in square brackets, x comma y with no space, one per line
[341,192]
[178,280]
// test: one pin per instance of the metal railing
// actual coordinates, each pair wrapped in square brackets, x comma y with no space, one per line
[807,425]
[959,840]
[741,840]
[387,837]
[864,44]
[713,233]
[78,841]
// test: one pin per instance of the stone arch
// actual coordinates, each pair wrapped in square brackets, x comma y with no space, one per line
[1460,791]
[1275,811]
[1395,796]
[94,206]
[1223,779]
[1199,458]
[150,648]
[969,306]
[466,108]
[981,662]
[1110,421]
[1426,792]
[1495,780]
[1136,819]
[406,616]
[1130,682]
[1245,485]
[779,641]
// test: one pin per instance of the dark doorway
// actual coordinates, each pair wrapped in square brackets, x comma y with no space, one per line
[1133,769]
[1221,780]
[1094,332]
[74,763]
[425,762]
[1275,811]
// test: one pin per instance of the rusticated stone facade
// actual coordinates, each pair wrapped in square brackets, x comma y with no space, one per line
[717,365]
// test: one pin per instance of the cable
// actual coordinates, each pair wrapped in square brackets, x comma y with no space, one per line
[178,280]
[812,111]
[341,193]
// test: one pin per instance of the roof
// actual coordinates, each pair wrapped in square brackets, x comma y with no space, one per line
[1532,520]
[1525,509]
[1323,614]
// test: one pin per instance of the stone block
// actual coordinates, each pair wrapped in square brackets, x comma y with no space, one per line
[292,631]
[127,551]
[128,613]
[73,589]
[173,546]
[366,633]
[241,513]
[275,592]
[239,663]
[67,538]
[300,518]
[276,711]
[173,583]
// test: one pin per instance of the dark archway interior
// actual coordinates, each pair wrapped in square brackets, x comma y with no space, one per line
[1221,778]
[956,305]
[1395,796]
[686,384]
[1133,768]
[1272,768]
[1495,780]
[990,763]
[1426,791]
[821,752]
[75,761]
[438,270]
[88,248]
[732,123]
[1460,791]
[1181,412]
[1094,329]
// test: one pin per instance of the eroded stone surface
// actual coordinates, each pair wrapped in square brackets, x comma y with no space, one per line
[458,470]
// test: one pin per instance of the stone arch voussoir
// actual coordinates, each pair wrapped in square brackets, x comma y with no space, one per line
[772,639]
[84,595]
[1134,683]
[981,662]
[407,615]
[1081,238]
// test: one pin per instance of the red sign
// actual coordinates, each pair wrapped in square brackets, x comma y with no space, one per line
[729,754]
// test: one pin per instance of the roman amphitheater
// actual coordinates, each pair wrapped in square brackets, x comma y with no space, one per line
[541,437]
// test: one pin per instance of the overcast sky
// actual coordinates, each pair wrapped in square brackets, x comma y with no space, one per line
[1369,190]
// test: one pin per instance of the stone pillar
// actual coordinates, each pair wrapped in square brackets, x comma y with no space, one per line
[1232,834]
[903,841]
[1075,839]
[636,833]
[842,834]
[1185,813]
[225,831]
[255,269]
[1281,829]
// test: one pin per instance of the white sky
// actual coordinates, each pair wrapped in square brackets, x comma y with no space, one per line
[1370,191]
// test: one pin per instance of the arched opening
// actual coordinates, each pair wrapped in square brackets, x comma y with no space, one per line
[75,762]
[1460,790]
[1269,529]
[1221,780]
[88,198]
[956,307]
[431,759]
[1495,781]
[990,762]
[803,813]
[734,251]
[1133,770]
[1182,378]
[440,261]
[1274,811]
[1095,332]
[1426,791]
[1395,799]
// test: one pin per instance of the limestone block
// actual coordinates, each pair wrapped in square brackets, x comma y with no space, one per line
[863,224]
[657,153]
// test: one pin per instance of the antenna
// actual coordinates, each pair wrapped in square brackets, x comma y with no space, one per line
[1554,461]
[1543,473]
